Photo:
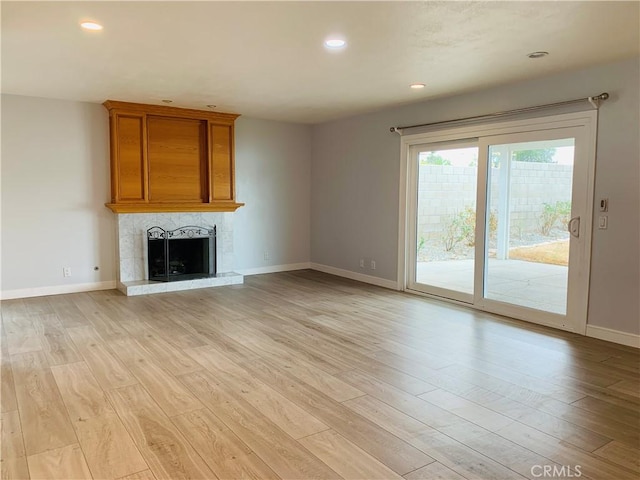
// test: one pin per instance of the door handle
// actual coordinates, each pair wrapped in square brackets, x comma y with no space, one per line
[574,226]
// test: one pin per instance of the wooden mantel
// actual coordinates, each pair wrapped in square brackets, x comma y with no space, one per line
[168,159]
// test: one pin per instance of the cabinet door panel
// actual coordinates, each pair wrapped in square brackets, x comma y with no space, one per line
[221,163]
[177,160]
[130,157]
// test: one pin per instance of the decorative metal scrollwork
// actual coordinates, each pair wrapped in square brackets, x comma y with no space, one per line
[189,231]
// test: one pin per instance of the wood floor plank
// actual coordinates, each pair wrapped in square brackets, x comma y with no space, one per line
[395,454]
[21,336]
[507,453]
[434,471]
[349,461]
[295,365]
[13,462]
[470,411]
[604,409]
[80,391]
[65,463]
[39,305]
[144,475]
[530,410]
[108,448]
[56,344]
[552,448]
[555,426]
[221,449]
[546,413]
[105,366]
[413,406]
[165,389]
[11,443]
[69,314]
[8,402]
[442,448]
[168,454]
[14,469]
[44,419]
[14,308]
[295,341]
[350,360]
[172,358]
[351,327]
[107,327]
[621,454]
[84,336]
[626,386]
[287,415]
[286,457]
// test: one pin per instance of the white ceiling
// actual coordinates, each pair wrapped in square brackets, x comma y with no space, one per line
[267,60]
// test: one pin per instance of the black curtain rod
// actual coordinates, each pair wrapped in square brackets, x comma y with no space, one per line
[592,100]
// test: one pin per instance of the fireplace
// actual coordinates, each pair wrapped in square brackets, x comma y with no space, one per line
[133,229]
[185,253]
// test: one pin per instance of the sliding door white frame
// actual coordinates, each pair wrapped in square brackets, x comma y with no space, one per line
[587,120]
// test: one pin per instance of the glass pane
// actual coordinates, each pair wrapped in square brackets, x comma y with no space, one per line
[529,206]
[446,218]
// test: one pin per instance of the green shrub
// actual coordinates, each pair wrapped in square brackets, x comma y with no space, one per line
[554,214]
[462,228]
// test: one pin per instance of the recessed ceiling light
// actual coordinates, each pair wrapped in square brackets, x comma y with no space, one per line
[91,26]
[167,101]
[417,86]
[537,54]
[334,43]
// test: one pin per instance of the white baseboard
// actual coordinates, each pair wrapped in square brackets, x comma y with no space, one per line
[275,268]
[615,336]
[57,290]
[360,277]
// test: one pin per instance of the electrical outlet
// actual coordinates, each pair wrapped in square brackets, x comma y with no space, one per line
[362,263]
[66,272]
[373,264]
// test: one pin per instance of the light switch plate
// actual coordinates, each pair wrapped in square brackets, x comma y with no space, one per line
[603,222]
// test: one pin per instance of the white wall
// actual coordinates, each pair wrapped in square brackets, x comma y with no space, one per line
[55,182]
[273,179]
[356,166]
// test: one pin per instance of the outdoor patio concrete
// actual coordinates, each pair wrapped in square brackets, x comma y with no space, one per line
[530,284]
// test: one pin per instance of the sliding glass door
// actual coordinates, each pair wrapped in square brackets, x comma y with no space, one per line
[527,241]
[502,222]
[446,178]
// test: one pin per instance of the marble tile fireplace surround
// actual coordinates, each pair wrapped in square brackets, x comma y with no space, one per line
[131,231]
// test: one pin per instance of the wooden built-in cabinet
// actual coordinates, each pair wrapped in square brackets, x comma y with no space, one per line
[167,159]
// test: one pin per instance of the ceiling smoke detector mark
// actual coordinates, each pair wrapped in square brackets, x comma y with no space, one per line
[167,101]
[91,26]
[211,106]
[537,54]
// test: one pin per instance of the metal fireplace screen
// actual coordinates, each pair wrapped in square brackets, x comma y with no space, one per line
[181,254]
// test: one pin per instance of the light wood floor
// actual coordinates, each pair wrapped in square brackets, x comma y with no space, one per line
[304,375]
